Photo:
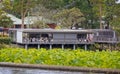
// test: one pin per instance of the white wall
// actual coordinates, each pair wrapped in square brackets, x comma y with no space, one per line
[19,37]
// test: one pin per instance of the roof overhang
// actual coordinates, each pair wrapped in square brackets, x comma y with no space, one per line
[54,30]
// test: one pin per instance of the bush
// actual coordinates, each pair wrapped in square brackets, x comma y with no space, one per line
[2,46]
[5,40]
[80,58]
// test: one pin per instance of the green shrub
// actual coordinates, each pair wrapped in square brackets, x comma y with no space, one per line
[5,40]
[3,35]
[81,58]
[2,46]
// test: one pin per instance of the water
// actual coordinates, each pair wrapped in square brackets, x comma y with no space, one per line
[8,70]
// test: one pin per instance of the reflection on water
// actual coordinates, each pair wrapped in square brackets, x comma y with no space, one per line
[8,70]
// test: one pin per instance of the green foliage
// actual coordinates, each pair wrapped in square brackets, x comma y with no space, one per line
[97,4]
[22,7]
[68,17]
[118,31]
[5,40]
[5,21]
[5,5]
[86,8]
[93,10]
[2,46]
[108,11]
[52,4]
[39,24]
[115,16]
[97,59]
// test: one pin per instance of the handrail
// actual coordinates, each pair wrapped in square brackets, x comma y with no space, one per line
[104,39]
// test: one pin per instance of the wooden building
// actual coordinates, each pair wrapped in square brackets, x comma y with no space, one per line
[63,37]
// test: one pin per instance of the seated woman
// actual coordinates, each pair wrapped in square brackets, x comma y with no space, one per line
[41,39]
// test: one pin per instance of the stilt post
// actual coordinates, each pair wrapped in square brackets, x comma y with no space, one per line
[62,46]
[85,47]
[74,47]
[38,46]
[26,46]
[50,46]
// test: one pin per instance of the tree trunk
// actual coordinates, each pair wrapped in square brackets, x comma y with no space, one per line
[100,17]
[22,25]
[24,12]
[22,15]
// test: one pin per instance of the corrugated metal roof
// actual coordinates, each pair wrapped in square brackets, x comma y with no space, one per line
[33,19]
[15,19]
[55,31]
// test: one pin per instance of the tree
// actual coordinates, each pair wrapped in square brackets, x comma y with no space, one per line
[112,13]
[93,10]
[4,5]
[106,10]
[39,24]
[4,20]
[52,4]
[22,7]
[99,9]
[68,17]
[86,8]
[46,9]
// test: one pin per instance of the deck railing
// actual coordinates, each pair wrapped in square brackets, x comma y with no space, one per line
[73,41]
[105,39]
[58,41]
